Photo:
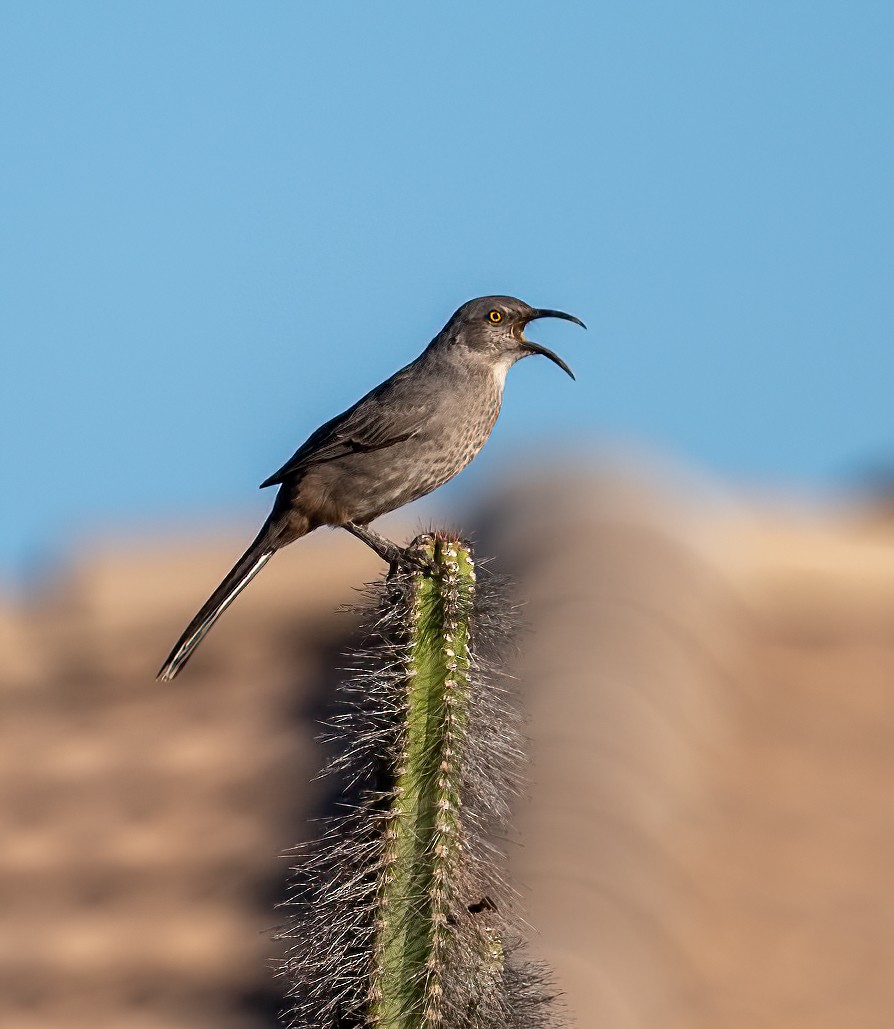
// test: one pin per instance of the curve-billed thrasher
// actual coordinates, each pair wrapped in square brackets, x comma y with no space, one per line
[401,441]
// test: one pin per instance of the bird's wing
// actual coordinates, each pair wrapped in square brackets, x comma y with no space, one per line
[381,419]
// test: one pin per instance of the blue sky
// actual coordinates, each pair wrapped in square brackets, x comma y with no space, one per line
[221,223]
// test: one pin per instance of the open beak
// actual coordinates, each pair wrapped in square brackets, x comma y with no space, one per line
[535,348]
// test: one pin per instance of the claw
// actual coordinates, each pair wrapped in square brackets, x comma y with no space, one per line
[414,559]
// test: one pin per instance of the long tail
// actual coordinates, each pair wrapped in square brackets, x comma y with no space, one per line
[241,574]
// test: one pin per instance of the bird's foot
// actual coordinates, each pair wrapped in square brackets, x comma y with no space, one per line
[417,557]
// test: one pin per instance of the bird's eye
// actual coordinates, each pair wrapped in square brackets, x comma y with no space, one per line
[496,317]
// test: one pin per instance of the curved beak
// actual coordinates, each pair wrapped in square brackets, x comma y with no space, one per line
[545,312]
[536,348]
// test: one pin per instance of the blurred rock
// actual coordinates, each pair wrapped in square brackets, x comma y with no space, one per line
[711,691]
[143,824]
[710,683]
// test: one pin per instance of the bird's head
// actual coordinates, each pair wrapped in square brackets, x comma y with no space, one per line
[494,328]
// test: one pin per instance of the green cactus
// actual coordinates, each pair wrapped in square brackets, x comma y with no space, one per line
[424,831]
[400,913]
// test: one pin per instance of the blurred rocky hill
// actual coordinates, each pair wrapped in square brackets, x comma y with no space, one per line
[710,830]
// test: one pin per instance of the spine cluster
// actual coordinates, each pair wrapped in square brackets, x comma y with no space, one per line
[400,917]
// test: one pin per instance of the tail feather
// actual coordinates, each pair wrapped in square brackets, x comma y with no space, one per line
[241,574]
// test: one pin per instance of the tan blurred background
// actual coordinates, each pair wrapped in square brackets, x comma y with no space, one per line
[709,836]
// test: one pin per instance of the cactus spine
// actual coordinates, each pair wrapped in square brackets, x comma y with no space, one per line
[400,917]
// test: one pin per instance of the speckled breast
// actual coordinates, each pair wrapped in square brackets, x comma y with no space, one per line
[440,450]
[360,487]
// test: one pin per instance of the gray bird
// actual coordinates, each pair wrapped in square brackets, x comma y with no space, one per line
[402,440]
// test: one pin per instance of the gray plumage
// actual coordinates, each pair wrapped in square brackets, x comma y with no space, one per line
[401,441]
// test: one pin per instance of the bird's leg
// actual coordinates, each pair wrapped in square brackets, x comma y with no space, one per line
[388,551]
